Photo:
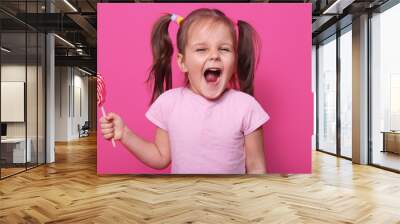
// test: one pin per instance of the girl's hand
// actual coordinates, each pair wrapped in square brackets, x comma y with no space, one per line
[112,126]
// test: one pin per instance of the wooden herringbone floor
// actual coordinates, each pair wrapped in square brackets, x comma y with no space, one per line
[70,191]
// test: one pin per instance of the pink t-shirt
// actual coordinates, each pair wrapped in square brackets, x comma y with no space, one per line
[207,137]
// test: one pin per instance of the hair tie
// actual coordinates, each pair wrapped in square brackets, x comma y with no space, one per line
[176,18]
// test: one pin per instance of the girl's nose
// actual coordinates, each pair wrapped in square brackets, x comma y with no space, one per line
[214,55]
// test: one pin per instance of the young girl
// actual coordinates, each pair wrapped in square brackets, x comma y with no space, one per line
[206,126]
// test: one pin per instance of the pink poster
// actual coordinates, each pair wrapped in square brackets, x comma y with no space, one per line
[282,83]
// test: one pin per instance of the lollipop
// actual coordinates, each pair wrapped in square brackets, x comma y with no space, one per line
[101,97]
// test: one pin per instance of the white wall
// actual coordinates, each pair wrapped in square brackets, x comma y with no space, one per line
[13,73]
[61,103]
[70,83]
[314,87]
[81,88]
[17,73]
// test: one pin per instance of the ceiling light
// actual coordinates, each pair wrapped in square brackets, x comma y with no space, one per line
[86,72]
[338,6]
[5,50]
[64,40]
[70,5]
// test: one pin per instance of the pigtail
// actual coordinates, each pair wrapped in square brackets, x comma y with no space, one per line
[247,56]
[162,50]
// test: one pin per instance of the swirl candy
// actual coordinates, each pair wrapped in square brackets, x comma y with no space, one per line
[101,90]
[101,97]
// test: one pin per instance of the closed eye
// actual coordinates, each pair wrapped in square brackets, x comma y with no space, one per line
[200,49]
[226,49]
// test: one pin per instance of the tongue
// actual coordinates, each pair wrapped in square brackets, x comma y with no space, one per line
[211,78]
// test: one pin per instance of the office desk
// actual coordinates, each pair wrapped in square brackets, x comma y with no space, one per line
[16,147]
[391,141]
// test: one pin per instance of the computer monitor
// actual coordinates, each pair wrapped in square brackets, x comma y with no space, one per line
[3,129]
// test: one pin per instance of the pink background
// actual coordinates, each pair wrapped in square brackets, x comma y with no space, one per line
[282,81]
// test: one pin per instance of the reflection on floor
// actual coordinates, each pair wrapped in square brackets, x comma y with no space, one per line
[9,171]
[387,159]
[13,169]
[346,152]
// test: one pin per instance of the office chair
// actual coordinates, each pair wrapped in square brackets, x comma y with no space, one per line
[84,130]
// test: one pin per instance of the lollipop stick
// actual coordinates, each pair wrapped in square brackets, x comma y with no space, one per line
[104,115]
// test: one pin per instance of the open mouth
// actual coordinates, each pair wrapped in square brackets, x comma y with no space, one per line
[212,74]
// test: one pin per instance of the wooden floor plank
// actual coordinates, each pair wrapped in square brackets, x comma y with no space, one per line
[70,191]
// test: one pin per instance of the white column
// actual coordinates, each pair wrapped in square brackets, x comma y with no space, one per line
[360,90]
[50,93]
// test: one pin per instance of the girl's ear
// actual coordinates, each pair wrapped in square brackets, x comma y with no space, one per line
[181,63]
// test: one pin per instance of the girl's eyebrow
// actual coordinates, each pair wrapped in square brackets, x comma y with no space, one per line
[229,44]
[202,44]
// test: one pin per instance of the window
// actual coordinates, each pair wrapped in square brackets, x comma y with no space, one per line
[385,88]
[327,95]
[346,92]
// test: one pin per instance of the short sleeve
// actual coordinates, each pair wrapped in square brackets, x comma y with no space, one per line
[159,110]
[254,118]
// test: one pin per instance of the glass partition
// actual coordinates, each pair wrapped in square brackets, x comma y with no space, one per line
[22,88]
